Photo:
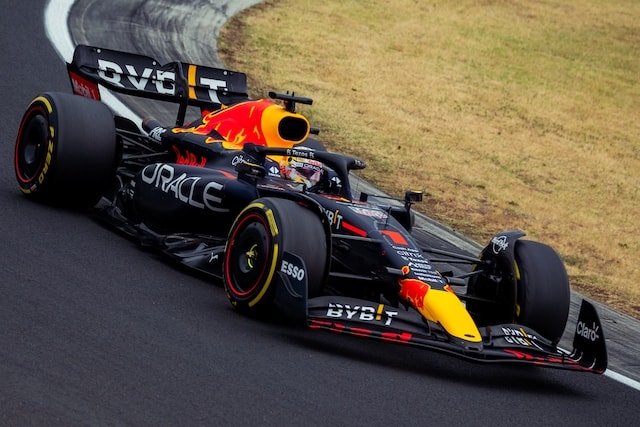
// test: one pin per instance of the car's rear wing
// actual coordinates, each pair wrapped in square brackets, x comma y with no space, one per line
[139,75]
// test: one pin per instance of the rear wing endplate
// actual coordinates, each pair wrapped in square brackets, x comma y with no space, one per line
[138,75]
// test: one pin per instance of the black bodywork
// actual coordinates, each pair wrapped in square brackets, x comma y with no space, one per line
[181,192]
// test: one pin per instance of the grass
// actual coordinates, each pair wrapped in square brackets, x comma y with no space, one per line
[518,114]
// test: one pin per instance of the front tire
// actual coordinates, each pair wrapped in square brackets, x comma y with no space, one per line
[543,292]
[65,150]
[260,235]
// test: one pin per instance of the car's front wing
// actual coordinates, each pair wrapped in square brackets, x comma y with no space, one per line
[507,343]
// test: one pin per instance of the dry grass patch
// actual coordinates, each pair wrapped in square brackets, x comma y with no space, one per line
[509,114]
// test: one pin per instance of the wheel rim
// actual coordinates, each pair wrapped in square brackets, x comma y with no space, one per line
[31,152]
[248,256]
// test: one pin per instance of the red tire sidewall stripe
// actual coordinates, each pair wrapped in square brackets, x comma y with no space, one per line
[227,267]
[32,112]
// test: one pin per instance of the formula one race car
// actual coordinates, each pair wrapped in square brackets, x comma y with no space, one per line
[243,194]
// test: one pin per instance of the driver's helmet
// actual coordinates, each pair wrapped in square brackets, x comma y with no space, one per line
[300,170]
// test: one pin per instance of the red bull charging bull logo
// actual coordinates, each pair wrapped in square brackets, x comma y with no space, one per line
[414,291]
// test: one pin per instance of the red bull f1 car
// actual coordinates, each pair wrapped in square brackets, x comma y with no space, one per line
[246,194]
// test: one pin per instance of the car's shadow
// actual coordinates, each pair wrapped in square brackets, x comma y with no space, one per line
[432,364]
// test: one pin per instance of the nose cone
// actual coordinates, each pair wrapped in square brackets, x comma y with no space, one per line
[441,306]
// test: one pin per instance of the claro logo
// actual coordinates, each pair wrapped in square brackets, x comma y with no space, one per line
[590,333]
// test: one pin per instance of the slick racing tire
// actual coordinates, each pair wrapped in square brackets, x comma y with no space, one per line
[65,150]
[543,293]
[260,235]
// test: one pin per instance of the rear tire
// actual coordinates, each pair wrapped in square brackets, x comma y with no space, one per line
[543,293]
[260,235]
[65,150]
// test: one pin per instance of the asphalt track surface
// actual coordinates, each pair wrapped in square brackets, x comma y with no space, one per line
[96,331]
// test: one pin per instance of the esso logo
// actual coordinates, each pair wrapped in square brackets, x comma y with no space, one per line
[292,270]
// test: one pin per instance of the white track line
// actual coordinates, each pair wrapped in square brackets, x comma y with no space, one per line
[56,25]
[56,22]
[621,378]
